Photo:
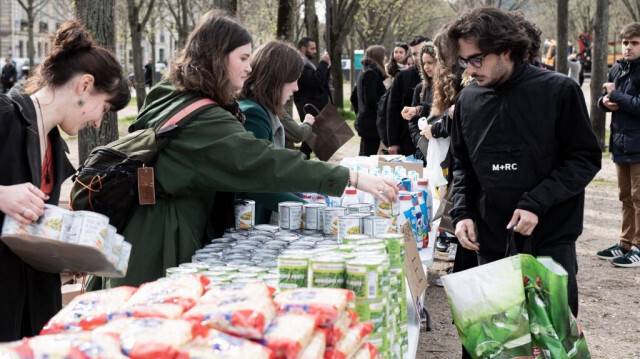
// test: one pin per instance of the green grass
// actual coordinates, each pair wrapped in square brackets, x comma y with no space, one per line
[133,101]
[127,120]
[600,182]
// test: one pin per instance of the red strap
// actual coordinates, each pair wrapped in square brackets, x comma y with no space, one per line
[187,110]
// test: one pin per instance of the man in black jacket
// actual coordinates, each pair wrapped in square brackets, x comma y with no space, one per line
[313,84]
[522,144]
[621,96]
[400,96]
[9,75]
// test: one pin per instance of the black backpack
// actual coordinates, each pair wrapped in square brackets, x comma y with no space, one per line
[381,117]
[107,182]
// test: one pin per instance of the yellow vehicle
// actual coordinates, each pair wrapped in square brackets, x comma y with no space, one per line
[614,54]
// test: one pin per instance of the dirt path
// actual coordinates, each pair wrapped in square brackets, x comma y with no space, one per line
[609,296]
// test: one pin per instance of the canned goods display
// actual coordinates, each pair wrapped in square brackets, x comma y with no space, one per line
[331,217]
[197,267]
[289,215]
[313,216]
[359,208]
[349,224]
[245,210]
[327,272]
[293,269]
[174,271]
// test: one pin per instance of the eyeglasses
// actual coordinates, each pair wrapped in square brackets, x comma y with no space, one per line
[475,61]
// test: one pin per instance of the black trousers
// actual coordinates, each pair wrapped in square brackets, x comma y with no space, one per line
[369,146]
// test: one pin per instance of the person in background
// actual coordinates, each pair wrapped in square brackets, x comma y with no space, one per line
[295,132]
[397,62]
[275,68]
[313,84]
[9,75]
[213,154]
[148,73]
[574,68]
[369,89]
[522,144]
[401,95]
[70,90]
[621,96]
[422,97]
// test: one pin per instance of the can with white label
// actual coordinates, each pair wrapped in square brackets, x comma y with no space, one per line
[245,210]
[331,217]
[313,216]
[290,215]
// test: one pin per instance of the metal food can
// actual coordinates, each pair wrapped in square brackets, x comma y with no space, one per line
[327,272]
[176,271]
[331,217]
[245,210]
[293,269]
[374,225]
[290,215]
[266,228]
[354,238]
[197,266]
[371,310]
[381,342]
[364,278]
[384,209]
[313,216]
[359,208]
[393,242]
[349,224]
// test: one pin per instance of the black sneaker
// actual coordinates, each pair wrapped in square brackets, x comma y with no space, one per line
[442,244]
[612,252]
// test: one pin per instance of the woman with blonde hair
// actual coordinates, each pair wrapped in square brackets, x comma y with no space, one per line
[370,88]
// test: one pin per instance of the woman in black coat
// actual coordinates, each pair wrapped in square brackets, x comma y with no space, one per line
[72,89]
[370,88]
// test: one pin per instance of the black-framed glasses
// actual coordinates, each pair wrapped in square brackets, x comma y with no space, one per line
[475,61]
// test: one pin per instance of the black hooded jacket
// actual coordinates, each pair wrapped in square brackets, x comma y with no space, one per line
[524,144]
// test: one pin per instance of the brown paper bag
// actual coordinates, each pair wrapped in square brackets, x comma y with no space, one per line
[330,132]
[443,212]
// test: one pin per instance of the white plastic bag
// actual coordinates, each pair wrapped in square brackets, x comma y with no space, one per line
[436,153]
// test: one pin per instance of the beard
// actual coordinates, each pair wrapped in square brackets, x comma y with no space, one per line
[308,55]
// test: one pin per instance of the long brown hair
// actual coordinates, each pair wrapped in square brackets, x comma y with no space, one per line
[202,64]
[273,65]
[444,78]
[374,58]
[73,52]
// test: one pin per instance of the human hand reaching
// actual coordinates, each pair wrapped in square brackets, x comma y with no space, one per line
[381,188]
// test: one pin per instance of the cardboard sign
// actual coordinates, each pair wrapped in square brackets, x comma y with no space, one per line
[416,277]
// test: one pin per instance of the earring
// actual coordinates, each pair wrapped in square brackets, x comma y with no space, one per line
[80,102]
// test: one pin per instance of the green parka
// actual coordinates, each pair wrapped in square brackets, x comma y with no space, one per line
[213,153]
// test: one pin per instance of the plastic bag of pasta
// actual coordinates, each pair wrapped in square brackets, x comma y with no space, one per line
[88,310]
[218,345]
[288,334]
[315,348]
[350,342]
[166,297]
[243,315]
[82,345]
[152,338]
[233,289]
[328,303]
[339,328]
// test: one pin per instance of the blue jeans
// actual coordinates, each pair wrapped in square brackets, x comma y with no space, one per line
[564,253]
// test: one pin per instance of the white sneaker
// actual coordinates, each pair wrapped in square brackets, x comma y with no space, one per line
[439,282]
[453,248]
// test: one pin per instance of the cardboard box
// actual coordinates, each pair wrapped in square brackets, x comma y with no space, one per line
[409,166]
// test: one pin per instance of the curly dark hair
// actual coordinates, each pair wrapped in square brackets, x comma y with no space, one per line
[492,30]
[533,31]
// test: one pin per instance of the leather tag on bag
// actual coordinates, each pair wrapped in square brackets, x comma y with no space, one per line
[146,187]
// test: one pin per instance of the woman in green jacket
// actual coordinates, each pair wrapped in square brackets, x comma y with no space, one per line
[275,68]
[214,153]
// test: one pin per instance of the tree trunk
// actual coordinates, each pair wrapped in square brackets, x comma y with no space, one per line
[311,24]
[136,25]
[285,23]
[98,18]
[31,51]
[599,68]
[563,31]
[340,15]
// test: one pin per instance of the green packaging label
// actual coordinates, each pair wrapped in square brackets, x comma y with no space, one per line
[293,273]
[328,274]
[363,280]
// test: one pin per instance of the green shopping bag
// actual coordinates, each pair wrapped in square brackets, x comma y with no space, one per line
[515,307]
